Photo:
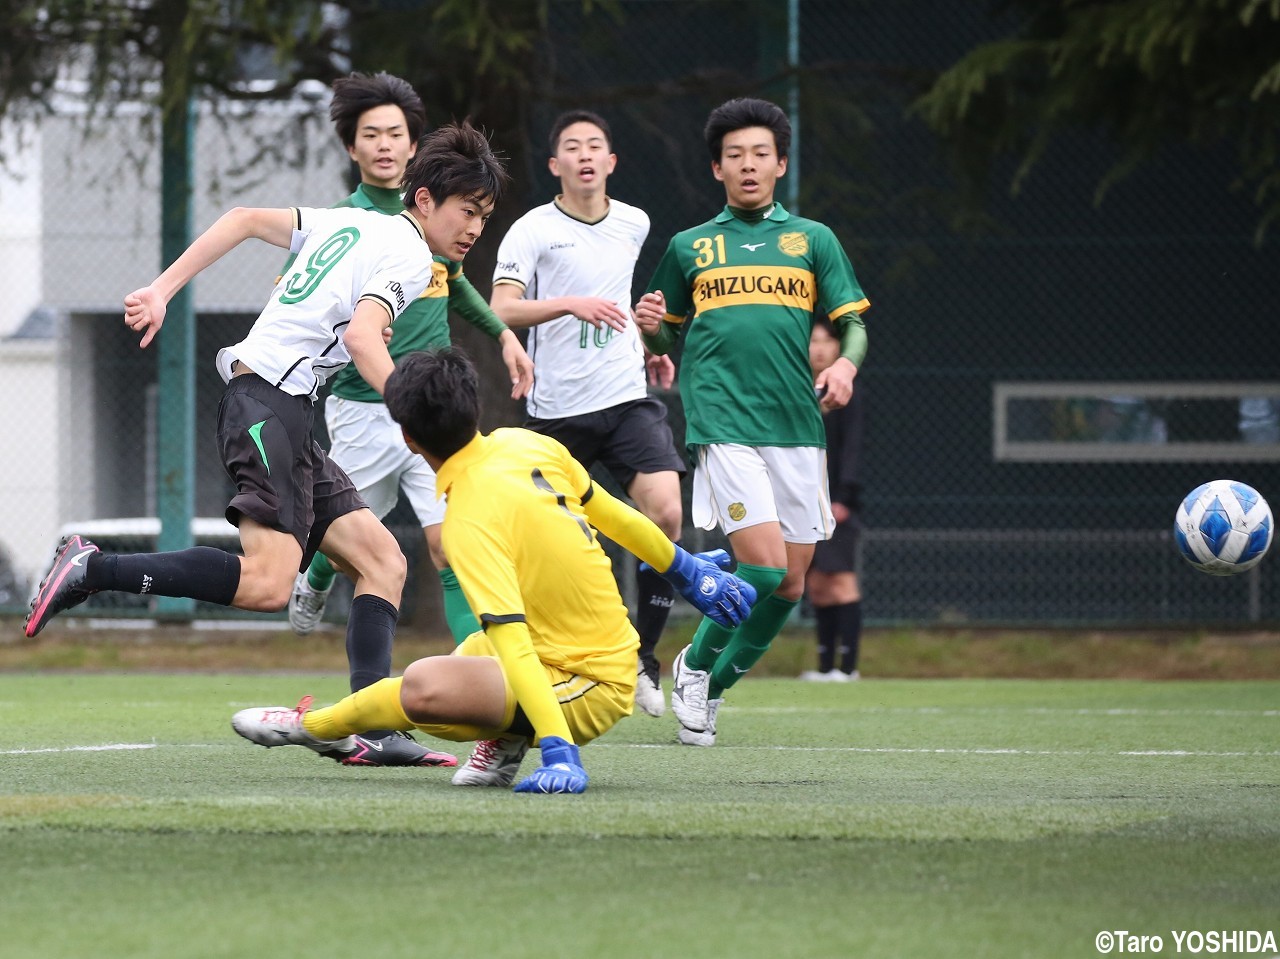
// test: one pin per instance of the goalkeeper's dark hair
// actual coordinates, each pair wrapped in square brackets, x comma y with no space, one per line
[435,397]
[357,93]
[455,160]
[742,113]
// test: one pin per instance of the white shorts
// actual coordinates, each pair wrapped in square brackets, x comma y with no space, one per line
[369,446]
[739,486]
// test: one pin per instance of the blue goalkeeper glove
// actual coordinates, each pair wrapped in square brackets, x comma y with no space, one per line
[561,770]
[703,579]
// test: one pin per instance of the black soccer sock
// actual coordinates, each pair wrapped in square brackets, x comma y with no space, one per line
[371,630]
[828,623]
[850,618]
[654,599]
[202,572]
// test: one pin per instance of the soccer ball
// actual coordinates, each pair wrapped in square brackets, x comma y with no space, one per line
[1223,527]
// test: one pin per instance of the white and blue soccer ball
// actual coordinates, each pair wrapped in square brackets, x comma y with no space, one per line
[1223,527]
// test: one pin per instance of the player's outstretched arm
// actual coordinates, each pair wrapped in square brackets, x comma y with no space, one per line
[145,308]
[701,578]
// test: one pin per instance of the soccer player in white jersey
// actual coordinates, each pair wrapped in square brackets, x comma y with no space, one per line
[564,272]
[379,118]
[355,272]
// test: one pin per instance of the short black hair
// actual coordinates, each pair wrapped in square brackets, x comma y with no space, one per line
[357,93]
[435,397]
[568,119]
[824,321]
[455,160]
[742,113]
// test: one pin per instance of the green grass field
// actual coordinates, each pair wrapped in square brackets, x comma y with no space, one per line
[894,818]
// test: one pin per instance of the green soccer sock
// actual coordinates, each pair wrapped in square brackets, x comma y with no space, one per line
[320,574]
[709,639]
[457,611]
[749,642]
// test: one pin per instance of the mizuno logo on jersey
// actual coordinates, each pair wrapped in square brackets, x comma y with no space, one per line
[752,246]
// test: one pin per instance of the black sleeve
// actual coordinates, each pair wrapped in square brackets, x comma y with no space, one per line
[844,451]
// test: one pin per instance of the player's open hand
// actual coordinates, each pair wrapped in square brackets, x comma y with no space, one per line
[144,311]
[561,770]
[649,312]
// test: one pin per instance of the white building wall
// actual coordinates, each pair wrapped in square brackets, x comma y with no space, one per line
[80,228]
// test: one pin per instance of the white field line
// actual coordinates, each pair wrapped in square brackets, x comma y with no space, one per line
[963,751]
[111,747]
[873,750]
[1004,710]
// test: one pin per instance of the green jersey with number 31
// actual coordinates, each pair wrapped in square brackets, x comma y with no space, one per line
[744,295]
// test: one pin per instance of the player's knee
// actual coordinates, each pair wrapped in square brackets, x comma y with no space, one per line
[436,551]
[669,518]
[421,697]
[381,561]
[790,589]
[264,595]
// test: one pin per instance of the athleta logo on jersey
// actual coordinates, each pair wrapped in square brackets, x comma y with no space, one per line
[395,287]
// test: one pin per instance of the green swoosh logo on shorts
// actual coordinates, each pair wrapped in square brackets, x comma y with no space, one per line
[255,433]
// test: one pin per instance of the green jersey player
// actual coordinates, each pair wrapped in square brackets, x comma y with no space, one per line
[742,289]
[379,119]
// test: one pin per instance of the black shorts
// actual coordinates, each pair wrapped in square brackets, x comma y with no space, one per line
[839,554]
[283,479]
[626,439]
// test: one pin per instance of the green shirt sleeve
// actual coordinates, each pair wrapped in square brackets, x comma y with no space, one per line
[840,295]
[470,305]
[853,339]
[670,278]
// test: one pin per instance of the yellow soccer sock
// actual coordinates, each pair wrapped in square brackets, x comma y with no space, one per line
[374,707]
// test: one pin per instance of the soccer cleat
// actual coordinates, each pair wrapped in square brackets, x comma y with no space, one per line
[282,726]
[830,676]
[707,737]
[494,762]
[398,749]
[306,605]
[649,690]
[61,587]
[689,691]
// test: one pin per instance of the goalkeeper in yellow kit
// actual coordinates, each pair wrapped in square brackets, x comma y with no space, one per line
[555,664]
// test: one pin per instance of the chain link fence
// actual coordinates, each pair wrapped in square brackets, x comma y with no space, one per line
[1046,379]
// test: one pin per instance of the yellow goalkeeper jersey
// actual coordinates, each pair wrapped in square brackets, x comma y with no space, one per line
[519,540]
